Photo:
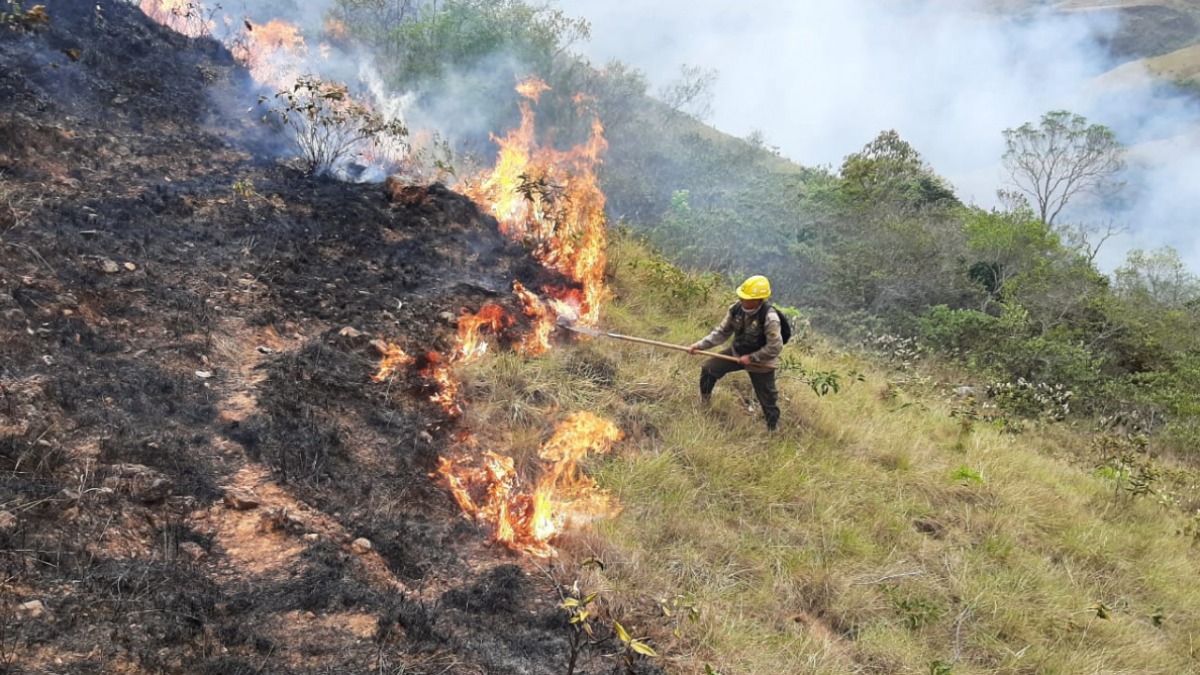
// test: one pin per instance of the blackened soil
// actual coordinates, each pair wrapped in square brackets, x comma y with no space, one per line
[173,302]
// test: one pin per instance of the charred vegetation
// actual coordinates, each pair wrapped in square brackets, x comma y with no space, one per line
[173,314]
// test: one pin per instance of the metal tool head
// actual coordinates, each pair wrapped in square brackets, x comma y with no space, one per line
[568,323]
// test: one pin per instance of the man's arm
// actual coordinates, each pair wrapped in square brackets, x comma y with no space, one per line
[718,337]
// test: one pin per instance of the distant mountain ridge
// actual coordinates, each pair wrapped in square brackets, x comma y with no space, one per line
[1162,34]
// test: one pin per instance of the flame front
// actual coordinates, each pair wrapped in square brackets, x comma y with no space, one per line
[271,52]
[538,339]
[551,198]
[471,344]
[488,488]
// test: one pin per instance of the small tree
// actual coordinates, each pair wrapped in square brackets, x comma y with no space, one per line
[690,94]
[889,169]
[1159,277]
[1061,157]
[327,125]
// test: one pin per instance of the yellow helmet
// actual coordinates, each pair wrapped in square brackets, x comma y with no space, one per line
[755,288]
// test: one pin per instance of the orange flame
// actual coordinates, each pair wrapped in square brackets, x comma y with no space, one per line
[528,520]
[393,359]
[538,340]
[188,17]
[269,51]
[553,199]
[532,88]
[470,344]
[438,371]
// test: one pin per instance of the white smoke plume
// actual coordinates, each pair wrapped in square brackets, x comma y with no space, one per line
[820,79]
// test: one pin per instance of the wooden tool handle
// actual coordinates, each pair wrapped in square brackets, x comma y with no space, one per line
[669,345]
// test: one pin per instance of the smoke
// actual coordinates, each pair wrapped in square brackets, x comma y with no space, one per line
[820,79]
[457,115]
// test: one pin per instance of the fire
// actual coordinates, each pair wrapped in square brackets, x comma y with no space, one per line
[470,344]
[271,52]
[553,199]
[538,340]
[393,359]
[438,372]
[183,16]
[526,520]
[532,88]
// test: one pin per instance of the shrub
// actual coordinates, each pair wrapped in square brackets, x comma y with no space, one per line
[327,125]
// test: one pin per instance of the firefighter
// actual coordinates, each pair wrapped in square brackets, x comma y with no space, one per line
[757,343]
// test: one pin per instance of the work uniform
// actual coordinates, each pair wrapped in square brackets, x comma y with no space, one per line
[749,330]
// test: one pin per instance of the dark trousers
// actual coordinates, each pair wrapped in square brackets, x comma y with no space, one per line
[764,385]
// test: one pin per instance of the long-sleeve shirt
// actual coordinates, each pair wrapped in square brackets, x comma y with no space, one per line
[747,332]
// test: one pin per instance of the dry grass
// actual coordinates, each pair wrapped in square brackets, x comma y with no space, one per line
[871,534]
[1180,65]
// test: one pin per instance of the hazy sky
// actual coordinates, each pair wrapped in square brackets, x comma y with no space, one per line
[821,78]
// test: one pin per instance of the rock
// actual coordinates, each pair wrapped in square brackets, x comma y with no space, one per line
[361,545]
[140,482]
[32,609]
[350,332]
[312,536]
[407,195]
[193,551]
[130,266]
[273,520]
[7,521]
[241,500]
[426,437]
[448,317]
[109,266]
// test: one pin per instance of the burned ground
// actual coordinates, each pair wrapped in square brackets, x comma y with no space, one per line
[191,446]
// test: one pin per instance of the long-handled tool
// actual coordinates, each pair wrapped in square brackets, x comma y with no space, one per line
[565,323]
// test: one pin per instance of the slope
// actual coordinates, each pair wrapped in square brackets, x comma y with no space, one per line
[197,472]
[899,525]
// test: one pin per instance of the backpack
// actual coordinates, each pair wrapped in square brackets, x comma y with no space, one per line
[785,328]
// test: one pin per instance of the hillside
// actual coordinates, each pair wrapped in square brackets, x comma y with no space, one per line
[1143,30]
[197,472]
[218,456]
